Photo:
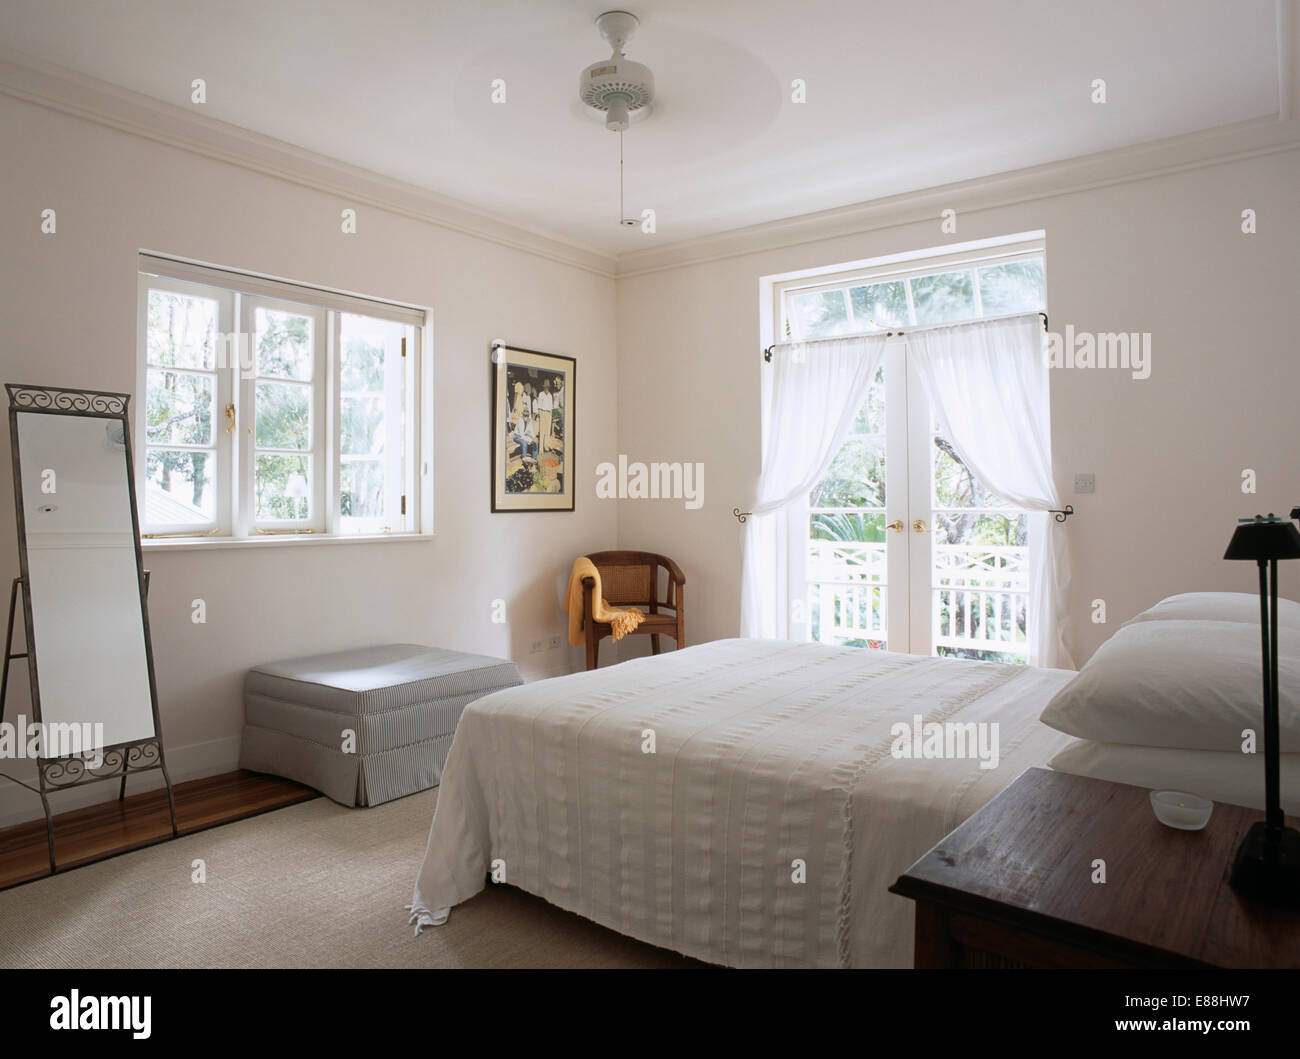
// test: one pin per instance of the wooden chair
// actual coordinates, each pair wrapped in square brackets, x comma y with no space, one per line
[631,579]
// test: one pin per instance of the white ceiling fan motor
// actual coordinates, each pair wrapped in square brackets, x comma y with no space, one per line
[617,86]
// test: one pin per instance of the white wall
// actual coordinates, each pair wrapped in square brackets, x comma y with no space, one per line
[1164,255]
[68,302]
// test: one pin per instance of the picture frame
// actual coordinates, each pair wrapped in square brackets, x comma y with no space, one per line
[533,401]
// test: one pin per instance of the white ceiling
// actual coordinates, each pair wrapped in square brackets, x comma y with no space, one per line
[901,95]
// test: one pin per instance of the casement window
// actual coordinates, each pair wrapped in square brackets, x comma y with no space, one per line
[906,549]
[272,409]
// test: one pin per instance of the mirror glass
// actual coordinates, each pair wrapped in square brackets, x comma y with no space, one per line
[83,575]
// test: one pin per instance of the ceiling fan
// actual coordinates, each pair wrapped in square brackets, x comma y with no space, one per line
[617,87]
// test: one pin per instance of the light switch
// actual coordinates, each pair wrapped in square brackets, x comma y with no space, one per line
[1085,483]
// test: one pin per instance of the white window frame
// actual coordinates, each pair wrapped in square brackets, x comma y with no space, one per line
[400,476]
[221,523]
[323,427]
[408,480]
[911,578]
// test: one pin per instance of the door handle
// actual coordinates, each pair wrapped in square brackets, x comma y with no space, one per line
[896,525]
[918,525]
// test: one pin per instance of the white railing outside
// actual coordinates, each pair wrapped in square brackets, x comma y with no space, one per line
[981,598]
[981,595]
[846,587]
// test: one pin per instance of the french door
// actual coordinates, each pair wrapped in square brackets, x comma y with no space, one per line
[906,550]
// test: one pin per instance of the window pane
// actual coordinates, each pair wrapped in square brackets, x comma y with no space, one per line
[361,489]
[366,347]
[856,477]
[981,593]
[879,306]
[848,615]
[849,526]
[284,344]
[1016,287]
[956,527]
[179,407]
[372,407]
[947,296]
[362,426]
[820,314]
[281,487]
[871,416]
[179,488]
[182,330]
[283,416]
[954,485]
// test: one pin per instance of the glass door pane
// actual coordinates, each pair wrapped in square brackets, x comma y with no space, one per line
[971,562]
[853,556]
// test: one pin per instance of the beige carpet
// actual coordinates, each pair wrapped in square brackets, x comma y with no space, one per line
[313,885]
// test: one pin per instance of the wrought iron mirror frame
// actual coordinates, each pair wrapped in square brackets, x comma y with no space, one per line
[119,759]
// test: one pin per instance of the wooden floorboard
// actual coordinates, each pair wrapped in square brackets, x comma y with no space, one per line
[96,832]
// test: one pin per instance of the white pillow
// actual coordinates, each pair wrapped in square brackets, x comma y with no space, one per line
[1237,779]
[1218,606]
[1190,684]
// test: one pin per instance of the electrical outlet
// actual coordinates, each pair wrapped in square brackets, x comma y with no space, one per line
[1085,483]
[553,644]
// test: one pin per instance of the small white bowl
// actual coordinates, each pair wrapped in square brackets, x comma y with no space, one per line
[1186,812]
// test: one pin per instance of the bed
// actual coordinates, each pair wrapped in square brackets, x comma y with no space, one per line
[740,801]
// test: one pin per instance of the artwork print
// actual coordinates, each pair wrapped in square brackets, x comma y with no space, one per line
[533,431]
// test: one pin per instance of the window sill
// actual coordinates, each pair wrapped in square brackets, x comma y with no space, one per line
[199,544]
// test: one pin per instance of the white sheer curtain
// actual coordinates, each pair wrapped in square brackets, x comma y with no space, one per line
[811,396]
[987,383]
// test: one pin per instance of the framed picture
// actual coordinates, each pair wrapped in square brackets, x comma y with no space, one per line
[532,431]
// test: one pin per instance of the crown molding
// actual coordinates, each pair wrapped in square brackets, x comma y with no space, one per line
[45,84]
[58,88]
[1228,143]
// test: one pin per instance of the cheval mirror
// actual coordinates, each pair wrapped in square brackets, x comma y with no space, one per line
[94,700]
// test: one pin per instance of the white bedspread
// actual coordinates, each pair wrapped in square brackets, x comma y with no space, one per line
[766,755]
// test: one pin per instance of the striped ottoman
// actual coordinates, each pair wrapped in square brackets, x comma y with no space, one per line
[364,726]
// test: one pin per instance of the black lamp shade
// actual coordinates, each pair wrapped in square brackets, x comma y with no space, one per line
[1264,540]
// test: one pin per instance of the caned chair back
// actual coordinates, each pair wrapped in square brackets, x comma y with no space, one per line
[630,585]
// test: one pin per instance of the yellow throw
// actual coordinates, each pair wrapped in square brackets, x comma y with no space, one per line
[621,620]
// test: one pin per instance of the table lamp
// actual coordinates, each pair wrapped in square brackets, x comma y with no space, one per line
[1267,864]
